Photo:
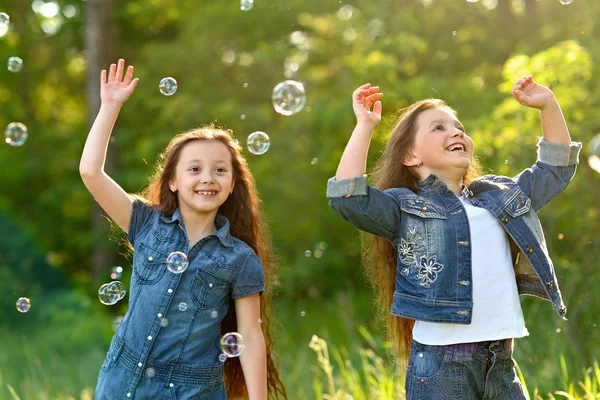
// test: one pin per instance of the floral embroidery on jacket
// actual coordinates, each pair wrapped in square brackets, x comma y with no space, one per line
[427,267]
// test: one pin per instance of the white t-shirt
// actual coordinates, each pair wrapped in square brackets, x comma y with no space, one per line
[497,312]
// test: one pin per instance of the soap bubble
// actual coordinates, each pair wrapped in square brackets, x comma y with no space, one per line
[258,143]
[222,357]
[594,146]
[182,306]
[23,304]
[110,293]
[565,2]
[4,23]
[150,372]
[288,97]
[214,314]
[307,253]
[15,64]
[232,344]
[246,5]
[16,134]
[168,86]
[302,313]
[177,262]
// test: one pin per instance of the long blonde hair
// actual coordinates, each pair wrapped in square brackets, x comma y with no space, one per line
[379,257]
[242,209]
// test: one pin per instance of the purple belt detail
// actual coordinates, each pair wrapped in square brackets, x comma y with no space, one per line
[472,348]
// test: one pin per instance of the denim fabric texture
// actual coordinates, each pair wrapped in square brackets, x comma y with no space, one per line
[469,371]
[163,349]
[430,230]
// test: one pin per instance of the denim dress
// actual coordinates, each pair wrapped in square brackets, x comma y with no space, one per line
[168,344]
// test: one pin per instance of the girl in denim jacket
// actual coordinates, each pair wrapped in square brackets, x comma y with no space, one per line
[203,202]
[449,251]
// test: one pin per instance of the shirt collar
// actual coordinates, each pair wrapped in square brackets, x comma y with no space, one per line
[221,223]
[434,183]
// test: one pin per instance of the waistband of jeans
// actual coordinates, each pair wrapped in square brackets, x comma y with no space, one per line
[472,348]
[171,372]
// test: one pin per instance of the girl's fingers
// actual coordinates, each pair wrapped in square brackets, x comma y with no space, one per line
[120,67]
[374,97]
[133,84]
[361,94]
[103,77]
[377,107]
[111,72]
[128,75]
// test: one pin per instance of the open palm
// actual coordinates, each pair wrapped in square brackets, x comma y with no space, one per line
[114,87]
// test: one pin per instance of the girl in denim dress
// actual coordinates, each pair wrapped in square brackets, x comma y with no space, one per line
[449,251]
[202,201]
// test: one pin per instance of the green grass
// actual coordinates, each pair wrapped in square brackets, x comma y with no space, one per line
[328,350]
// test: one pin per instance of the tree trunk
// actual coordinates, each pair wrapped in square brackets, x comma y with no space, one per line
[100,39]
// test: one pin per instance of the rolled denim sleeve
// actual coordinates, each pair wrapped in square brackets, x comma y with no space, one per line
[250,278]
[551,174]
[140,217]
[367,208]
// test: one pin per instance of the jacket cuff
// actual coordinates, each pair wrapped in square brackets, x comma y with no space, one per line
[558,154]
[356,186]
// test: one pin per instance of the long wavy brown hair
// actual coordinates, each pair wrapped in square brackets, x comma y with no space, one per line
[379,257]
[243,210]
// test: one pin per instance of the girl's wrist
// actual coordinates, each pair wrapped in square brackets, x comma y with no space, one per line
[365,126]
[110,105]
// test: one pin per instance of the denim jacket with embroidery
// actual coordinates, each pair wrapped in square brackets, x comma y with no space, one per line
[430,231]
[169,339]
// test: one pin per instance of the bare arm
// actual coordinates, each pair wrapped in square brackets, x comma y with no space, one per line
[254,356]
[115,90]
[532,94]
[354,159]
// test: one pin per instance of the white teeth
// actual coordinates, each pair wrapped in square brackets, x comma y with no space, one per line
[207,193]
[456,147]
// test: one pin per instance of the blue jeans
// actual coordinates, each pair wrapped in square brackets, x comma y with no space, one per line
[467,371]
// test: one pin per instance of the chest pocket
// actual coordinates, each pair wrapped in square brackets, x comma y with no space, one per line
[519,205]
[208,290]
[422,208]
[149,266]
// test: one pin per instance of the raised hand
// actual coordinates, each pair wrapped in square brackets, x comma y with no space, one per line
[115,88]
[362,99]
[531,94]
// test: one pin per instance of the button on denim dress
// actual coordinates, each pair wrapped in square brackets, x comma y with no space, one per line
[168,344]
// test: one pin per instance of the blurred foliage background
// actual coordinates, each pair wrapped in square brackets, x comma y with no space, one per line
[227,62]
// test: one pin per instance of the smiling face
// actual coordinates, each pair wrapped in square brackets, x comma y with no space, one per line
[203,177]
[441,146]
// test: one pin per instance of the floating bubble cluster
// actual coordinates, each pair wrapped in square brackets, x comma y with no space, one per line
[258,143]
[177,262]
[167,86]
[23,304]
[16,134]
[289,97]
[232,344]
[110,293]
